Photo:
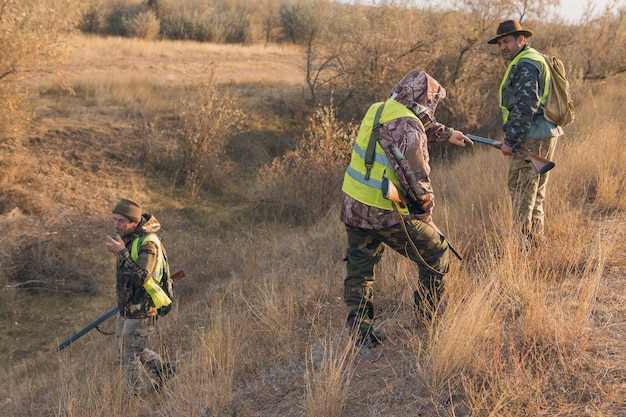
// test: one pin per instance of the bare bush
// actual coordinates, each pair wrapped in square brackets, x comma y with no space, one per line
[299,21]
[208,117]
[359,67]
[598,48]
[31,42]
[118,15]
[307,180]
[145,26]
[231,25]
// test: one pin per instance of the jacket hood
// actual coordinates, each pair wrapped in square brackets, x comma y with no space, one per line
[419,92]
[148,224]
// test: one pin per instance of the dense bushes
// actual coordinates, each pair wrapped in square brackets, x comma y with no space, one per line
[222,22]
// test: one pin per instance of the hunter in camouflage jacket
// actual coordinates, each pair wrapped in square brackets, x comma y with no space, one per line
[132,299]
[407,134]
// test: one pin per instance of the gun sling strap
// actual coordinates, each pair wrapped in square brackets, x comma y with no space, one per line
[371,146]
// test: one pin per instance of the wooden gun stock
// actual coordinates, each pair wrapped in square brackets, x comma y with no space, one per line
[541,164]
[178,275]
[391,192]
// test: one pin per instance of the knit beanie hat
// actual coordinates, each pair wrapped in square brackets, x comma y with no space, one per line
[129,209]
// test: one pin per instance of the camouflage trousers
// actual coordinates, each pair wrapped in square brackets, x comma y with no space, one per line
[527,188]
[365,249]
[140,364]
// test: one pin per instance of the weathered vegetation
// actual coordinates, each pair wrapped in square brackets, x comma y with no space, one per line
[232,122]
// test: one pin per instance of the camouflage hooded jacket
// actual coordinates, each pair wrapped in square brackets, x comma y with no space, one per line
[132,299]
[421,93]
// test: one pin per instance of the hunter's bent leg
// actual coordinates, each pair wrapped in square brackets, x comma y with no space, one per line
[433,260]
[364,252]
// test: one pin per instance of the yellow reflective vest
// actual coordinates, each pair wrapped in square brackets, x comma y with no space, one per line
[355,184]
[152,287]
[533,55]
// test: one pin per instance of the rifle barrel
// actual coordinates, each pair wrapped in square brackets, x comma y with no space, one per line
[481,139]
[101,319]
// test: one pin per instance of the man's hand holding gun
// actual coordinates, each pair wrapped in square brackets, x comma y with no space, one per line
[542,165]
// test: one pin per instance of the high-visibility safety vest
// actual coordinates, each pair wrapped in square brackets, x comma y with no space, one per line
[533,55]
[368,191]
[159,297]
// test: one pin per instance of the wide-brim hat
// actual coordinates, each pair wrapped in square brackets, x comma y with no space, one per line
[510,27]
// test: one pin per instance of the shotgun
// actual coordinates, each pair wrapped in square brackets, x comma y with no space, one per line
[542,165]
[94,325]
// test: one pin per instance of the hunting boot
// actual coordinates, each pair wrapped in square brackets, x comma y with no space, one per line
[162,371]
[364,336]
[426,300]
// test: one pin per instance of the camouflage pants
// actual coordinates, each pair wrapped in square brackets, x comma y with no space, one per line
[527,188]
[132,337]
[365,249]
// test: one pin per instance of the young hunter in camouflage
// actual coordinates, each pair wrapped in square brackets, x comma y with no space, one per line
[522,95]
[137,314]
[371,223]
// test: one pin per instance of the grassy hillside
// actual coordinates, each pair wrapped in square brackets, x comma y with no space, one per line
[258,330]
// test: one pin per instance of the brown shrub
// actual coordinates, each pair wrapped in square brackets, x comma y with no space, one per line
[197,144]
[31,41]
[306,182]
[145,26]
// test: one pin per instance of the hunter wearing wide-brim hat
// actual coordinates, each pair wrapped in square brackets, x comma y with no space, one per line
[523,92]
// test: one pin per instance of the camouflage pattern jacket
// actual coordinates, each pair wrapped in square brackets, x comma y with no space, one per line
[420,92]
[132,299]
[522,96]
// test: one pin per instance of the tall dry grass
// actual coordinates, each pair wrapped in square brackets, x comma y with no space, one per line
[258,327]
[329,372]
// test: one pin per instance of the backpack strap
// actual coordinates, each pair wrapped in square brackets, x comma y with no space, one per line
[138,243]
[152,287]
[371,146]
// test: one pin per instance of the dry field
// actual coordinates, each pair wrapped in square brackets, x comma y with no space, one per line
[259,327]
[180,62]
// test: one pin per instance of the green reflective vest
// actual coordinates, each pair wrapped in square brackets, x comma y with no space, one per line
[152,287]
[355,184]
[533,55]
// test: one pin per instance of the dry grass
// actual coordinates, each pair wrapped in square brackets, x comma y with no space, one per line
[182,61]
[258,330]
